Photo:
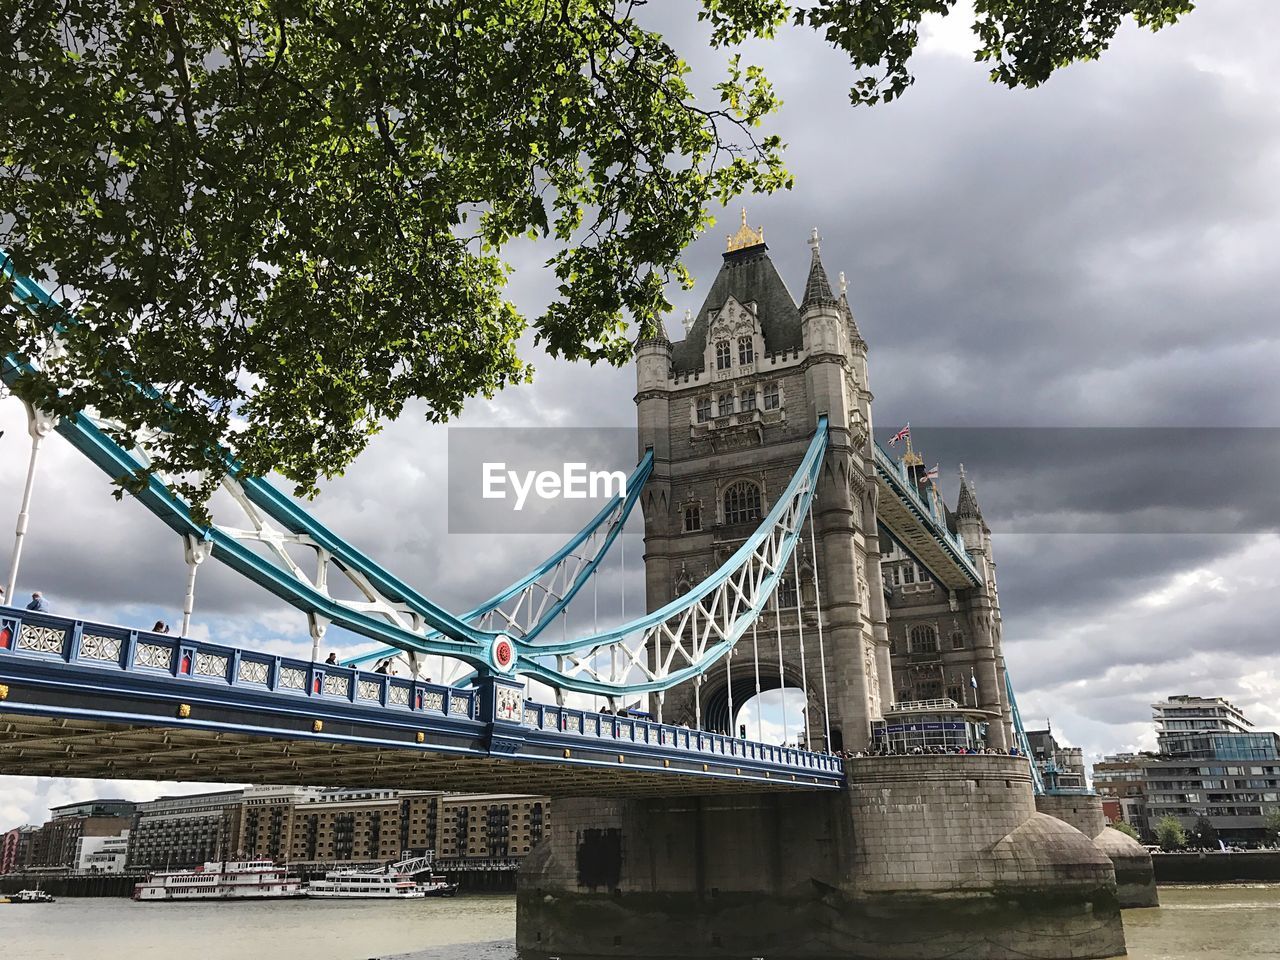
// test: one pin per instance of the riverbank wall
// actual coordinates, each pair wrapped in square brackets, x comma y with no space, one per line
[78,885]
[1255,866]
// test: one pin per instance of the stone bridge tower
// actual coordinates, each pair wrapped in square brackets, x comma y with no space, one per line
[729,413]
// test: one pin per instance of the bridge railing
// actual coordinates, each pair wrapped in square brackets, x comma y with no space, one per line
[610,727]
[43,636]
[84,643]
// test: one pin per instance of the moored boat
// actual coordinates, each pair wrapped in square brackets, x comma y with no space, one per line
[221,880]
[395,881]
[28,896]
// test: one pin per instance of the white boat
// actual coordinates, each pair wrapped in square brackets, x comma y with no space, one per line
[393,882]
[28,896]
[221,880]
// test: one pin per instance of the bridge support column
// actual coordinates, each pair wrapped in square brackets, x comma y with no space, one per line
[922,858]
[1135,875]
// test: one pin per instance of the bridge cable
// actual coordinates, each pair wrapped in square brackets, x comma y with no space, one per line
[755,655]
[782,673]
[728,675]
[804,671]
[822,653]
[595,625]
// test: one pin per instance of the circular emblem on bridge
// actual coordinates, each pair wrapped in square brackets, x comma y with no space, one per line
[503,654]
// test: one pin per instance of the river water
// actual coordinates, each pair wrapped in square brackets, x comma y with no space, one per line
[1193,923]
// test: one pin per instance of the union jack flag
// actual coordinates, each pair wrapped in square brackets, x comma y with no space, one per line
[931,474]
[903,434]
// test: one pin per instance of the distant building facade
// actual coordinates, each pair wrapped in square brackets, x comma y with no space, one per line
[1211,763]
[1121,781]
[102,854]
[1060,766]
[304,826]
[56,846]
[181,832]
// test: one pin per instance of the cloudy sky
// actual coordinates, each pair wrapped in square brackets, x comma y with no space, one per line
[1099,256]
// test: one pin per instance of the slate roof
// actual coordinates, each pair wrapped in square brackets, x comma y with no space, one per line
[747,274]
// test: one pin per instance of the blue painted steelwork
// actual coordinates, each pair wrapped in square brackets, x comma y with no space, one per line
[1020,734]
[635,483]
[925,510]
[763,556]
[91,662]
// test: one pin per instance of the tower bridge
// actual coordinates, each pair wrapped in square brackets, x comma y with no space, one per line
[785,548]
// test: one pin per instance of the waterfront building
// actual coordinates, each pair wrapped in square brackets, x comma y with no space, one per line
[1060,765]
[488,826]
[344,826]
[184,831]
[55,847]
[1211,763]
[102,854]
[14,845]
[1121,780]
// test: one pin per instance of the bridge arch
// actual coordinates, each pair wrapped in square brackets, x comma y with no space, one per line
[714,697]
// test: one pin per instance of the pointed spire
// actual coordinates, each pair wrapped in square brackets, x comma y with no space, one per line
[817,289]
[847,312]
[688,321]
[967,502]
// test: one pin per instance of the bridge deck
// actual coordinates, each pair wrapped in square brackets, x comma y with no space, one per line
[92,700]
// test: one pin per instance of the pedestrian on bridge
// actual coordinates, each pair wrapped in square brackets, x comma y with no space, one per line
[38,603]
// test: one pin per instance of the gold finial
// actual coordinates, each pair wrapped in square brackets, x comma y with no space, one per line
[911,458]
[745,237]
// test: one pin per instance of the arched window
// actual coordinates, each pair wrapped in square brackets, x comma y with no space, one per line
[724,356]
[746,351]
[924,639]
[742,502]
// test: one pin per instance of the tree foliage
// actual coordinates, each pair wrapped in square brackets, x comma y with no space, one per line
[293,216]
[1170,834]
[1125,828]
[1205,833]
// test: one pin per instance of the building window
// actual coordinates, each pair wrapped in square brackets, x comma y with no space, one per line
[746,351]
[724,358]
[924,639]
[726,405]
[772,397]
[704,409]
[747,400]
[786,594]
[908,573]
[692,518]
[742,502]
[957,642]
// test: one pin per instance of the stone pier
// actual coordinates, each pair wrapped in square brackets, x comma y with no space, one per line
[921,858]
[1135,875]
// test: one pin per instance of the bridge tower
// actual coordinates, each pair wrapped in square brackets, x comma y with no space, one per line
[729,412]
[945,642]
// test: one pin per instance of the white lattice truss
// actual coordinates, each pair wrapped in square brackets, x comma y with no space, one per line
[521,611]
[688,636]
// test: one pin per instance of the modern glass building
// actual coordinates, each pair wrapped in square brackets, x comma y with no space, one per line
[1212,763]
